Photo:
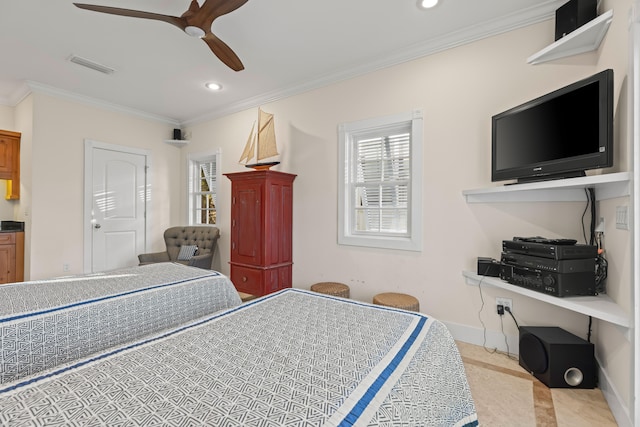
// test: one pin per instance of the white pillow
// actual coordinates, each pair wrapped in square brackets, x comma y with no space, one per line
[187,252]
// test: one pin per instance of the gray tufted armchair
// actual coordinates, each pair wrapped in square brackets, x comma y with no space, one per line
[205,237]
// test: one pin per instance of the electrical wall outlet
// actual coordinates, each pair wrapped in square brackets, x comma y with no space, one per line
[505,302]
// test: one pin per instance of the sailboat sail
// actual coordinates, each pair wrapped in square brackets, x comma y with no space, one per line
[261,143]
[249,148]
[266,136]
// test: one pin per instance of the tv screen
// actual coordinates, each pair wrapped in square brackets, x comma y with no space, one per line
[558,135]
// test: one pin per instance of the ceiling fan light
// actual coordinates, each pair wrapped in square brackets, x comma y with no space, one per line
[214,86]
[194,31]
[426,4]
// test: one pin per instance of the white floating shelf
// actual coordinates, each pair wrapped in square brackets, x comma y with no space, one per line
[583,39]
[607,186]
[177,142]
[600,307]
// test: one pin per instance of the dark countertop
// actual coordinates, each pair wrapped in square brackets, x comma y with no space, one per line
[11,226]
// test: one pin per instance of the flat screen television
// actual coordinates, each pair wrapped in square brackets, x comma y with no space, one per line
[558,135]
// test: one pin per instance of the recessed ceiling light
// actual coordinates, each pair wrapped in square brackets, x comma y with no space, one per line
[214,86]
[426,4]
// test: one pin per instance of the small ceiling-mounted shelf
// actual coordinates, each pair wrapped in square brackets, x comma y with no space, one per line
[583,39]
[177,142]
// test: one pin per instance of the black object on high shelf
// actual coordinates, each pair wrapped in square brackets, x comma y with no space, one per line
[573,15]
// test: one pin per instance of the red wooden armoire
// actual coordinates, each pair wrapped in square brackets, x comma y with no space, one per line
[261,230]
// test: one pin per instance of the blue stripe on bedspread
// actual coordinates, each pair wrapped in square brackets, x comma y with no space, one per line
[42,295]
[71,318]
[377,385]
[291,358]
[101,299]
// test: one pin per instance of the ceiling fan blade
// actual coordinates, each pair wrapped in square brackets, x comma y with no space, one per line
[211,10]
[173,20]
[218,8]
[223,52]
[198,18]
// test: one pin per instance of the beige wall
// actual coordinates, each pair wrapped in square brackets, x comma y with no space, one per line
[6,117]
[458,90]
[52,202]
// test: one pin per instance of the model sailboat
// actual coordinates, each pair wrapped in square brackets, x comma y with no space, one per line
[261,143]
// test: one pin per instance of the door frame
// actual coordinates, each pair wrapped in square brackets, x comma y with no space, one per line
[89,146]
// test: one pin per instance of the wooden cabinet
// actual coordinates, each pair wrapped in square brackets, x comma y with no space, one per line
[10,162]
[11,257]
[261,230]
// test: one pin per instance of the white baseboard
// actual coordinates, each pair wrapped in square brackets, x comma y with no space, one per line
[494,339]
[488,339]
[619,410]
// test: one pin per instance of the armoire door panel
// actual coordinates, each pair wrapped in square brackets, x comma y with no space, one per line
[261,230]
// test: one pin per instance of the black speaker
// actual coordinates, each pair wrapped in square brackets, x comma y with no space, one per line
[488,267]
[557,358]
[574,14]
[177,134]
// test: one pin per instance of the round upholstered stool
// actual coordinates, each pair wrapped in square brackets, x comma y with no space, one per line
[394,299]
[331,288]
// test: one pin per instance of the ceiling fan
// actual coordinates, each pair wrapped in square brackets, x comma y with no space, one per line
[196,22]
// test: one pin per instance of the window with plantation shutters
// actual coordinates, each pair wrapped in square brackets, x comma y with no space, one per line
[380,180]
[203,186]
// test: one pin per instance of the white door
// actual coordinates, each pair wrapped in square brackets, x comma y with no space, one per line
[116,224]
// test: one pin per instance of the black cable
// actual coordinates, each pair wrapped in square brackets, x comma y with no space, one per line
[601,273]
[508,310]
[484,328]
[508,354]
[589,330]
[506,342]
[592,229]
[584,232]
[591,206]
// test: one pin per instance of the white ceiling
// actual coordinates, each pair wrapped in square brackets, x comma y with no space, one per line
[287,46]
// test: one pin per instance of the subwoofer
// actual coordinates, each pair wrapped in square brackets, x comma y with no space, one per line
[557,358]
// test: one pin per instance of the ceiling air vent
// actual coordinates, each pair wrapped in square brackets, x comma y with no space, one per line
[91,64]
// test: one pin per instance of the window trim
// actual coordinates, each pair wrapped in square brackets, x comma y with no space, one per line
[192,160]
[346,132]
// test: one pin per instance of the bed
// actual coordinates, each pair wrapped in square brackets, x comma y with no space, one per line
[292,358]
[47,323]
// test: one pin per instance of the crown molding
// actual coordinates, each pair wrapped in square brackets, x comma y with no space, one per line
[36,87]
[533,15]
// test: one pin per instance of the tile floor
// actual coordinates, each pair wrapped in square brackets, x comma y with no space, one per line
[506,395]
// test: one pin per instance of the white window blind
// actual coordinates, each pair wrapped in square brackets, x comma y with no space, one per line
[203,189]
[380,182]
